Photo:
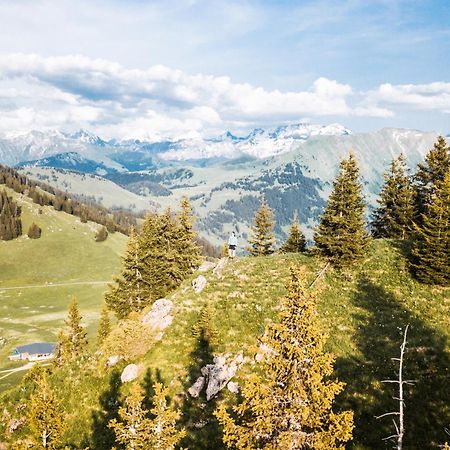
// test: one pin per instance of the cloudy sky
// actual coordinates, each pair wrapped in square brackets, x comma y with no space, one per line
[170,69]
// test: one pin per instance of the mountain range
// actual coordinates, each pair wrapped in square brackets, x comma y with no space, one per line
[291,165]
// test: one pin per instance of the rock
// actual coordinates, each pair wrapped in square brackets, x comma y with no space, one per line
[217,271]
[233,387]
[207,265]
[220,373]
[14,424]
[199,284]
[158,317]
[196,388]
[263,351]
[112,360]
[130,373]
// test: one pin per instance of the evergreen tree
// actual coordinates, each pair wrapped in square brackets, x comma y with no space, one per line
[131,290]
[34,232]
[288,403]
[296,242]
[104,326]
[45,415]
[431,248]
[10,222]
[136,430]
[394,216]
[101,234]
[160,253]
[188,251]
[428,174]
[73,342]
[262,237]
[341,235]
[156,261]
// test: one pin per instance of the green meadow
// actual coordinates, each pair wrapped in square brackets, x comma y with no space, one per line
[39,277]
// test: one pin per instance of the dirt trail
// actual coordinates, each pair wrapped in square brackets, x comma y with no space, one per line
[47,285]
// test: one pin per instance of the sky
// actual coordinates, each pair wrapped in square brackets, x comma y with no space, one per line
[174,69]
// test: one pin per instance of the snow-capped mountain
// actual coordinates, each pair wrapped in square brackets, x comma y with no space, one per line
[259,143]
[292,166]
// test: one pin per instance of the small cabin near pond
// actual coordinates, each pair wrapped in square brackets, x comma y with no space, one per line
[34,352]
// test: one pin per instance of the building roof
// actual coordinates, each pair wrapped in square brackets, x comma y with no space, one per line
[36,348]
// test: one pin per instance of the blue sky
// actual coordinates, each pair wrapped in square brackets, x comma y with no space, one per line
[155,69]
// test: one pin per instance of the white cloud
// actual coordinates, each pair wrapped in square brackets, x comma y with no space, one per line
[74,91]
[432,96]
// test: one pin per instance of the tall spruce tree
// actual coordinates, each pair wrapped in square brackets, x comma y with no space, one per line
[341,235]
[262,238]
[136,430]
[288,403]
[104,326]
[394,216]
[72,342]
[428,174]
[188,251]
[296,242]
[156,261]
[132,290]
[46,418]
[431,247]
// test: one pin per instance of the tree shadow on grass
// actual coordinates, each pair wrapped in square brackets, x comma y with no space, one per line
[202,427]
[427,414]
[103,437]
[148,384]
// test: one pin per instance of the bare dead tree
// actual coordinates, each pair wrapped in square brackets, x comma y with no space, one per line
[400,426]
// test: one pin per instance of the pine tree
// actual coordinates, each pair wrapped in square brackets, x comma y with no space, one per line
[73,342]
[101,234]
[45,416]
[34,232]
[431,248]
[394,216]
[262,239]
[104,326]
[132,290]
[428,174]
[160,253]
[296,242]
[188,251]
[136,430]
[288,403]
[341,235]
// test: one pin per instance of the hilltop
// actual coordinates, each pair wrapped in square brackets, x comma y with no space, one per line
[39,276]
[363,312]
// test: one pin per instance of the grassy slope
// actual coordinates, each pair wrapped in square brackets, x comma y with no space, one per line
[65,253]
[364,315]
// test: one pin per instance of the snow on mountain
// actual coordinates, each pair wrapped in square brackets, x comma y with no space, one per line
[259,143]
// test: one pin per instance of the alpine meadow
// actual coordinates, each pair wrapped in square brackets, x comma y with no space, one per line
[224,225]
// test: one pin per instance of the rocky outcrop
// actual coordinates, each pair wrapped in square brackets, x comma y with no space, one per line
[199,284]
[159,318]
[218,375]
[130,373]
[196,388]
